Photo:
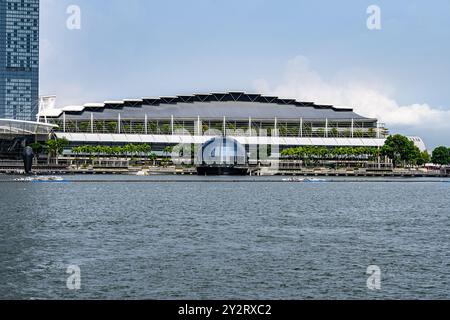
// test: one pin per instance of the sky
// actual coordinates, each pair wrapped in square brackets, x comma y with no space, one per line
[321,51]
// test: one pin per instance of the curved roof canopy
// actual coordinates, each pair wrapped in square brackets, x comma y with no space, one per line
[18,127]
[237,105]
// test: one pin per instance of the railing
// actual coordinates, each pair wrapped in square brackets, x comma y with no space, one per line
[231,128]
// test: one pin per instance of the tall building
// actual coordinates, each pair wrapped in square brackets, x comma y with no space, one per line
[19,59]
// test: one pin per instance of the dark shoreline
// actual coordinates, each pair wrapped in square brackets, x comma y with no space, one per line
[214,180]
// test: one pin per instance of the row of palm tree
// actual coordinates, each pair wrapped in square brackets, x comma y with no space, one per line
[127,150]
[340,153]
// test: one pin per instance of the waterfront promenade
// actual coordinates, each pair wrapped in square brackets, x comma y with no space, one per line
[17,169]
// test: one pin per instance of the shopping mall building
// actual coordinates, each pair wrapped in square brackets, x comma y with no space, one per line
[250,119]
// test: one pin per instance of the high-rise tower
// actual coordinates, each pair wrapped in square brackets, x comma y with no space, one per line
[19,59]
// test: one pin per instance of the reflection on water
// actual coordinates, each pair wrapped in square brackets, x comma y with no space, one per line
[224,240]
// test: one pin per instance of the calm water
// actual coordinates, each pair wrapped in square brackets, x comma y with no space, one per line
[225,240]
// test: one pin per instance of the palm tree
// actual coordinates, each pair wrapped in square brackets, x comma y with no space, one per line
[153,157]
[168,150]
[112,127]
[37,147]
[145,148]
[56,147]
[334,132]
[307,131]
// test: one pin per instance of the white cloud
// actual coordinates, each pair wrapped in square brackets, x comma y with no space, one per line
[300,81]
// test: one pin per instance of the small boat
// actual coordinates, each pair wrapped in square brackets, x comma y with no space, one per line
[142,173]
[315,180]
[294,180]
[304,180]
[42,179]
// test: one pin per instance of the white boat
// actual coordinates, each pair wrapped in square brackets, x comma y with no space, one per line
[315,180]
[142,173]
[41,179]
[294,180]
[304,180]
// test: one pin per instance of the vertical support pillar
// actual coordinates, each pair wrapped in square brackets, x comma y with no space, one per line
[326,128]
[64,121]
[199,127]
[224,126]
[250,126]
[276,127]
[92,122]
[353,128]
[301,127]
[171,124]
[119,121]
[146,124]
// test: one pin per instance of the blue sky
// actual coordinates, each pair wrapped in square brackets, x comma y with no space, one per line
[312,50]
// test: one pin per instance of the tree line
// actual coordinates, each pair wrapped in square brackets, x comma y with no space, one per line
[126,150]
[398,148]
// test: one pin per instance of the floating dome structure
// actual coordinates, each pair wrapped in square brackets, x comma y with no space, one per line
[222,155]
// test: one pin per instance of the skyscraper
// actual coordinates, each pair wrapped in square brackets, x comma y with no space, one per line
[19,59]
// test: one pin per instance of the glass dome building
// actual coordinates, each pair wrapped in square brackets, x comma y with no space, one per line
[222,155]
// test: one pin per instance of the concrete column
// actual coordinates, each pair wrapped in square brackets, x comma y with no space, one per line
[353,128]
[92,122]
[146,124]
[276,127]
[64,121]
[224,126]
[119,124]
[301,127]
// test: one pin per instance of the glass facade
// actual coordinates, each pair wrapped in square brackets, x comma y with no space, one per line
[19,59]
[222,151]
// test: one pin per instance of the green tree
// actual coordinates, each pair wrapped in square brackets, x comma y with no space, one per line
[37,147]
[144,149]
[441,155]
[334,132]
[424,158]
[126,128]
[152,127]
[153,157]
[320,132]
[347,133]
[139,128]
[165,129]
[168,150]
[400,149]
[99,127]
[112,127]
[282,130]
[306,130]
[358,133]
[84,126]
[55,147]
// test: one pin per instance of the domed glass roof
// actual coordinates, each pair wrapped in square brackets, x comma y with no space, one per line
[222,151]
